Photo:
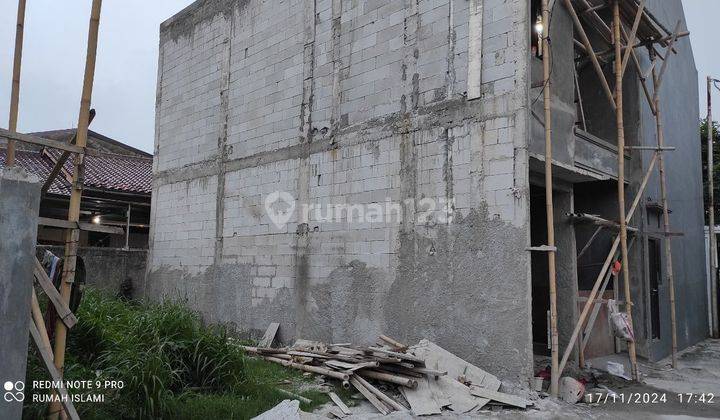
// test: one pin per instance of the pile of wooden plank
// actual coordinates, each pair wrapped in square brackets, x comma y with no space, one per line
[424,379]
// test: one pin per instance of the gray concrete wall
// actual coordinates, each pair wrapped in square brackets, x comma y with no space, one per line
[679,107]
[336,101]
[20,194]
[107,268]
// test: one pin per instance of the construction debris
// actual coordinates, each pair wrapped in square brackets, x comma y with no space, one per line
[571,390]
[424,379]
[341,405]
[286,410]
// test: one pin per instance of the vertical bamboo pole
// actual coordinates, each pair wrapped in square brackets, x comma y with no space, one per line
[666,216]
[711,216]
[621,178]
[554,377]
[73,235]
[15,89]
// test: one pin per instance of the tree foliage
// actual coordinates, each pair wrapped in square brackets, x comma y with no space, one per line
[716,167]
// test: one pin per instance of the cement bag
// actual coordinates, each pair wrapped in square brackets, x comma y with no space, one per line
[619,323]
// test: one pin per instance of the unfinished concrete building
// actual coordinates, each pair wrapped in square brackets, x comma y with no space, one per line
[436,106]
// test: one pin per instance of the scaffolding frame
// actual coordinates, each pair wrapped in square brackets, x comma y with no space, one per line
[54,358]
[623,45]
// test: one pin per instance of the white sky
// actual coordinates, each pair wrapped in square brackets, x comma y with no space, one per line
[126,73]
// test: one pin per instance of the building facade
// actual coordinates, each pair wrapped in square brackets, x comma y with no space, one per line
[350,168]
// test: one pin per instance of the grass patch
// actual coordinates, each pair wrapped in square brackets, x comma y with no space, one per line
[172,366]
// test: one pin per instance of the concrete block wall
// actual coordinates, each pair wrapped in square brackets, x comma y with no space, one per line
[357,103]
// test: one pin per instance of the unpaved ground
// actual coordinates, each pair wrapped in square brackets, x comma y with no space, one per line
[698,372]
[697,378]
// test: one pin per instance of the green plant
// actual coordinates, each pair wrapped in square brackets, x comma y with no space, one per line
[171,365]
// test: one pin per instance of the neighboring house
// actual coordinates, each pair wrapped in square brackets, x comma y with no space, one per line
[116,180]
[360,102]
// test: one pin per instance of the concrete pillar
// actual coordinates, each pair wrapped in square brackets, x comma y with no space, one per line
[19,204]
[566,270]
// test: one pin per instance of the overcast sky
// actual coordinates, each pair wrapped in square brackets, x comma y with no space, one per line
[124,92]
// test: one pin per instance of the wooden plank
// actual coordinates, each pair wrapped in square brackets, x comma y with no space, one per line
[429,372]
[313,369]
[269,336]
[293,395]
[26,138]
[341,405]
[381,396]
[39,321]
[47,359]
[64,312]
[394,343]
[89,227]
[500,397]
[381,407]
[389,377]
[309,354]
[351,367]
[398,355]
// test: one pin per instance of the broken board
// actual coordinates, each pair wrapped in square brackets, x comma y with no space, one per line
[423,400]
[440,359]
[269,336]
[500,397]
[341,405]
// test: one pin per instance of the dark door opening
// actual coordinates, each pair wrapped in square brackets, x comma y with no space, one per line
[539,272]
[655,282]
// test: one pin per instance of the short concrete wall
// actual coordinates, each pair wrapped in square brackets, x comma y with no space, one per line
[18,228]
[106,268]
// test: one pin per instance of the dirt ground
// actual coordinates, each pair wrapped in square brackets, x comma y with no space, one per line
[656,397]
[691,390]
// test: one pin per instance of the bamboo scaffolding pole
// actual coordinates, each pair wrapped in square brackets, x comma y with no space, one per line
[593,57]
[642,78]
[380,395]
[61,160]
[589,242]
[631,38]
[667,56]
[596,309]
[711,217]
[606,265]
[580,99]
[15,89]
[73,235]
[621,181]
[666,216]
[549,209]
[40,322]
[600,26]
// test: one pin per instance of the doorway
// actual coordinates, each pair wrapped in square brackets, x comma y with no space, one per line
[539,272]
[655,278]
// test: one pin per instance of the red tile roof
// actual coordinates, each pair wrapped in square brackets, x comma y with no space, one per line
[113,172]
[106,171]
[35,163]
